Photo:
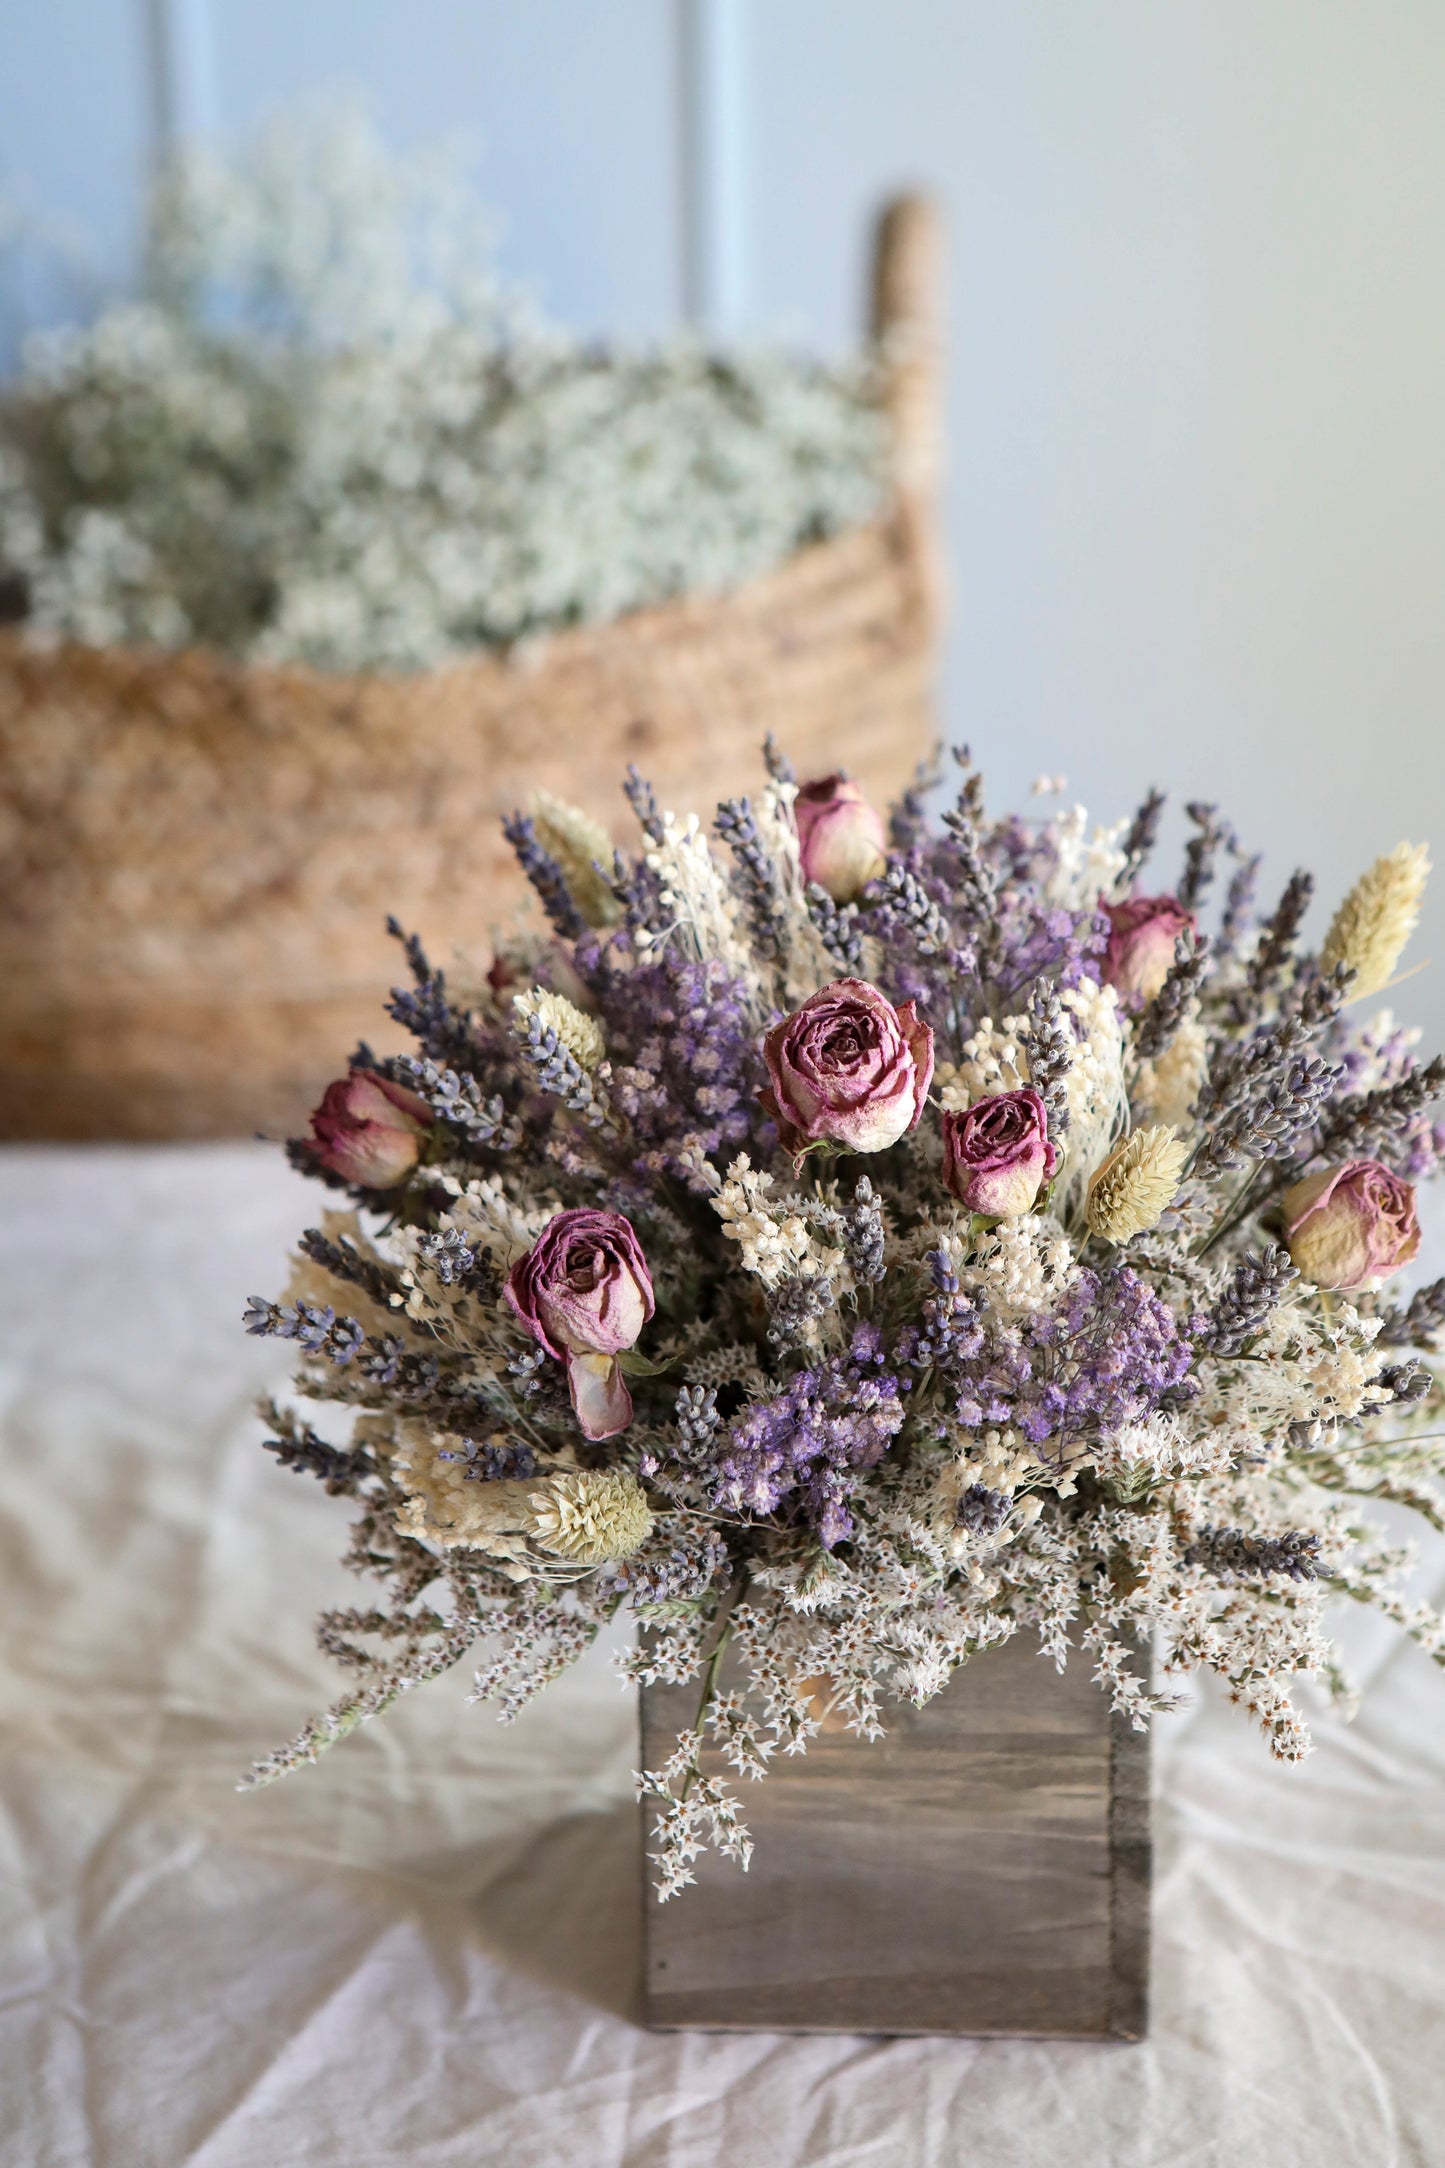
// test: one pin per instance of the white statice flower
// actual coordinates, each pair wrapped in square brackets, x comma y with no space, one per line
[1162,1448]
[1166,1088]
[484,1213]
[1086,865]
[994,1060]
[1023,1265]
[706,917]
[1095,1089]
[774,1242]
[1305,1367]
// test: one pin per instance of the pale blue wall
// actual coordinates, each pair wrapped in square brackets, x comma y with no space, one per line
[1197,504]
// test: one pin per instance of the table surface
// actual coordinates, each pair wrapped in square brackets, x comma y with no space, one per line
[426,1950]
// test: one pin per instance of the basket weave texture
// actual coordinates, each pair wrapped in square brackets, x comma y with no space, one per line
[197,856]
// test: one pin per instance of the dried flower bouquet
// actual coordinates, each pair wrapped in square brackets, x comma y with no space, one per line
[854,1245]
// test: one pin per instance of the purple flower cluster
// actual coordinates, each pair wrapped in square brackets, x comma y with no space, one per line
[1109,1353]
[800,1454]
[685,1059]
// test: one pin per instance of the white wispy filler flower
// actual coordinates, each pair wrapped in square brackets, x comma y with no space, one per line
[329,433]
[1376,919]
[580,1033]
[675,1311]
[591,1517]
[1136,1185]
[774,1242]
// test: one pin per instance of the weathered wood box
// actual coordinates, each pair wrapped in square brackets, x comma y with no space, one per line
[983,1869]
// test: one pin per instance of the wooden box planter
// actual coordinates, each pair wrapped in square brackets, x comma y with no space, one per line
[983,1869]
[197,856]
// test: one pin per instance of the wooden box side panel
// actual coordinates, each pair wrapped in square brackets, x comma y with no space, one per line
[984,1869]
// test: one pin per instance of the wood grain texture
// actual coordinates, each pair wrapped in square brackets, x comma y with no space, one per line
[983,1869]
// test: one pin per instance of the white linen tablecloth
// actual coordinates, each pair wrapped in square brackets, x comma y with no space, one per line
[426,1950]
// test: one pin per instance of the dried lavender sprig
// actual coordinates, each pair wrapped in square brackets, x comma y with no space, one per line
[455,1261]
[424,1010]
[757,872]
[838,926]
[315,1326]
[908,819]
[1362,1121]
[380,1358]
[982,1511]
[1141,838]
[455,1098]
[490,1463]
[1263,1092]
[779,767]
[346,1262]
[970,790]
[1235,1556]
[901,901]
[1238,903]
[1050,1044]
[545,875]
[1253,1291]
[795,1304]
[561,1073]
[1201,852]
[341,1468]
[1277,937]
[1416,1322]
[643,801]
[1159,1025]
[1400,1385]
[864,1235]
[976,885]
[698,1422]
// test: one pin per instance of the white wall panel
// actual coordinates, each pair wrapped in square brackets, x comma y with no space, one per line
[74,137]
[1197,497]
[571,103]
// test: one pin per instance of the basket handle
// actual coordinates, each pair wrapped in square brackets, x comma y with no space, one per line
[907,321]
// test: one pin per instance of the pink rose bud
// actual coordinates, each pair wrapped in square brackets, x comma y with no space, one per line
[1351,1224]
[997,1156]
[584,1293]
[1143,935]
[847,1068]
[840,837]
[369,1130]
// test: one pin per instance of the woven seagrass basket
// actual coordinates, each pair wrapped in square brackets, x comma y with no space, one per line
[197,856]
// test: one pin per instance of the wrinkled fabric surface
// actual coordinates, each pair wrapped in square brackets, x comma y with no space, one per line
[426,1950]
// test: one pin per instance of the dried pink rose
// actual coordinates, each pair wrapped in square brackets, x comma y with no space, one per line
[847,1068]
[584,1293]
[369,1130]
[1143,935]
[1351,1224]
[998,1155]
[840,837]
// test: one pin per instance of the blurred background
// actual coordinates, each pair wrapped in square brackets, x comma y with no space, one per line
[1195,499]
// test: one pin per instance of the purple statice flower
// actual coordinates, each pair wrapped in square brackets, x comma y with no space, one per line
[1107,1354]
[800,1454]
[686,1065]
[1048,941]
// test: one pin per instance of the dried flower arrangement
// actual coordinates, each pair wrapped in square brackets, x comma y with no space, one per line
[329,434]
[856,1244]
